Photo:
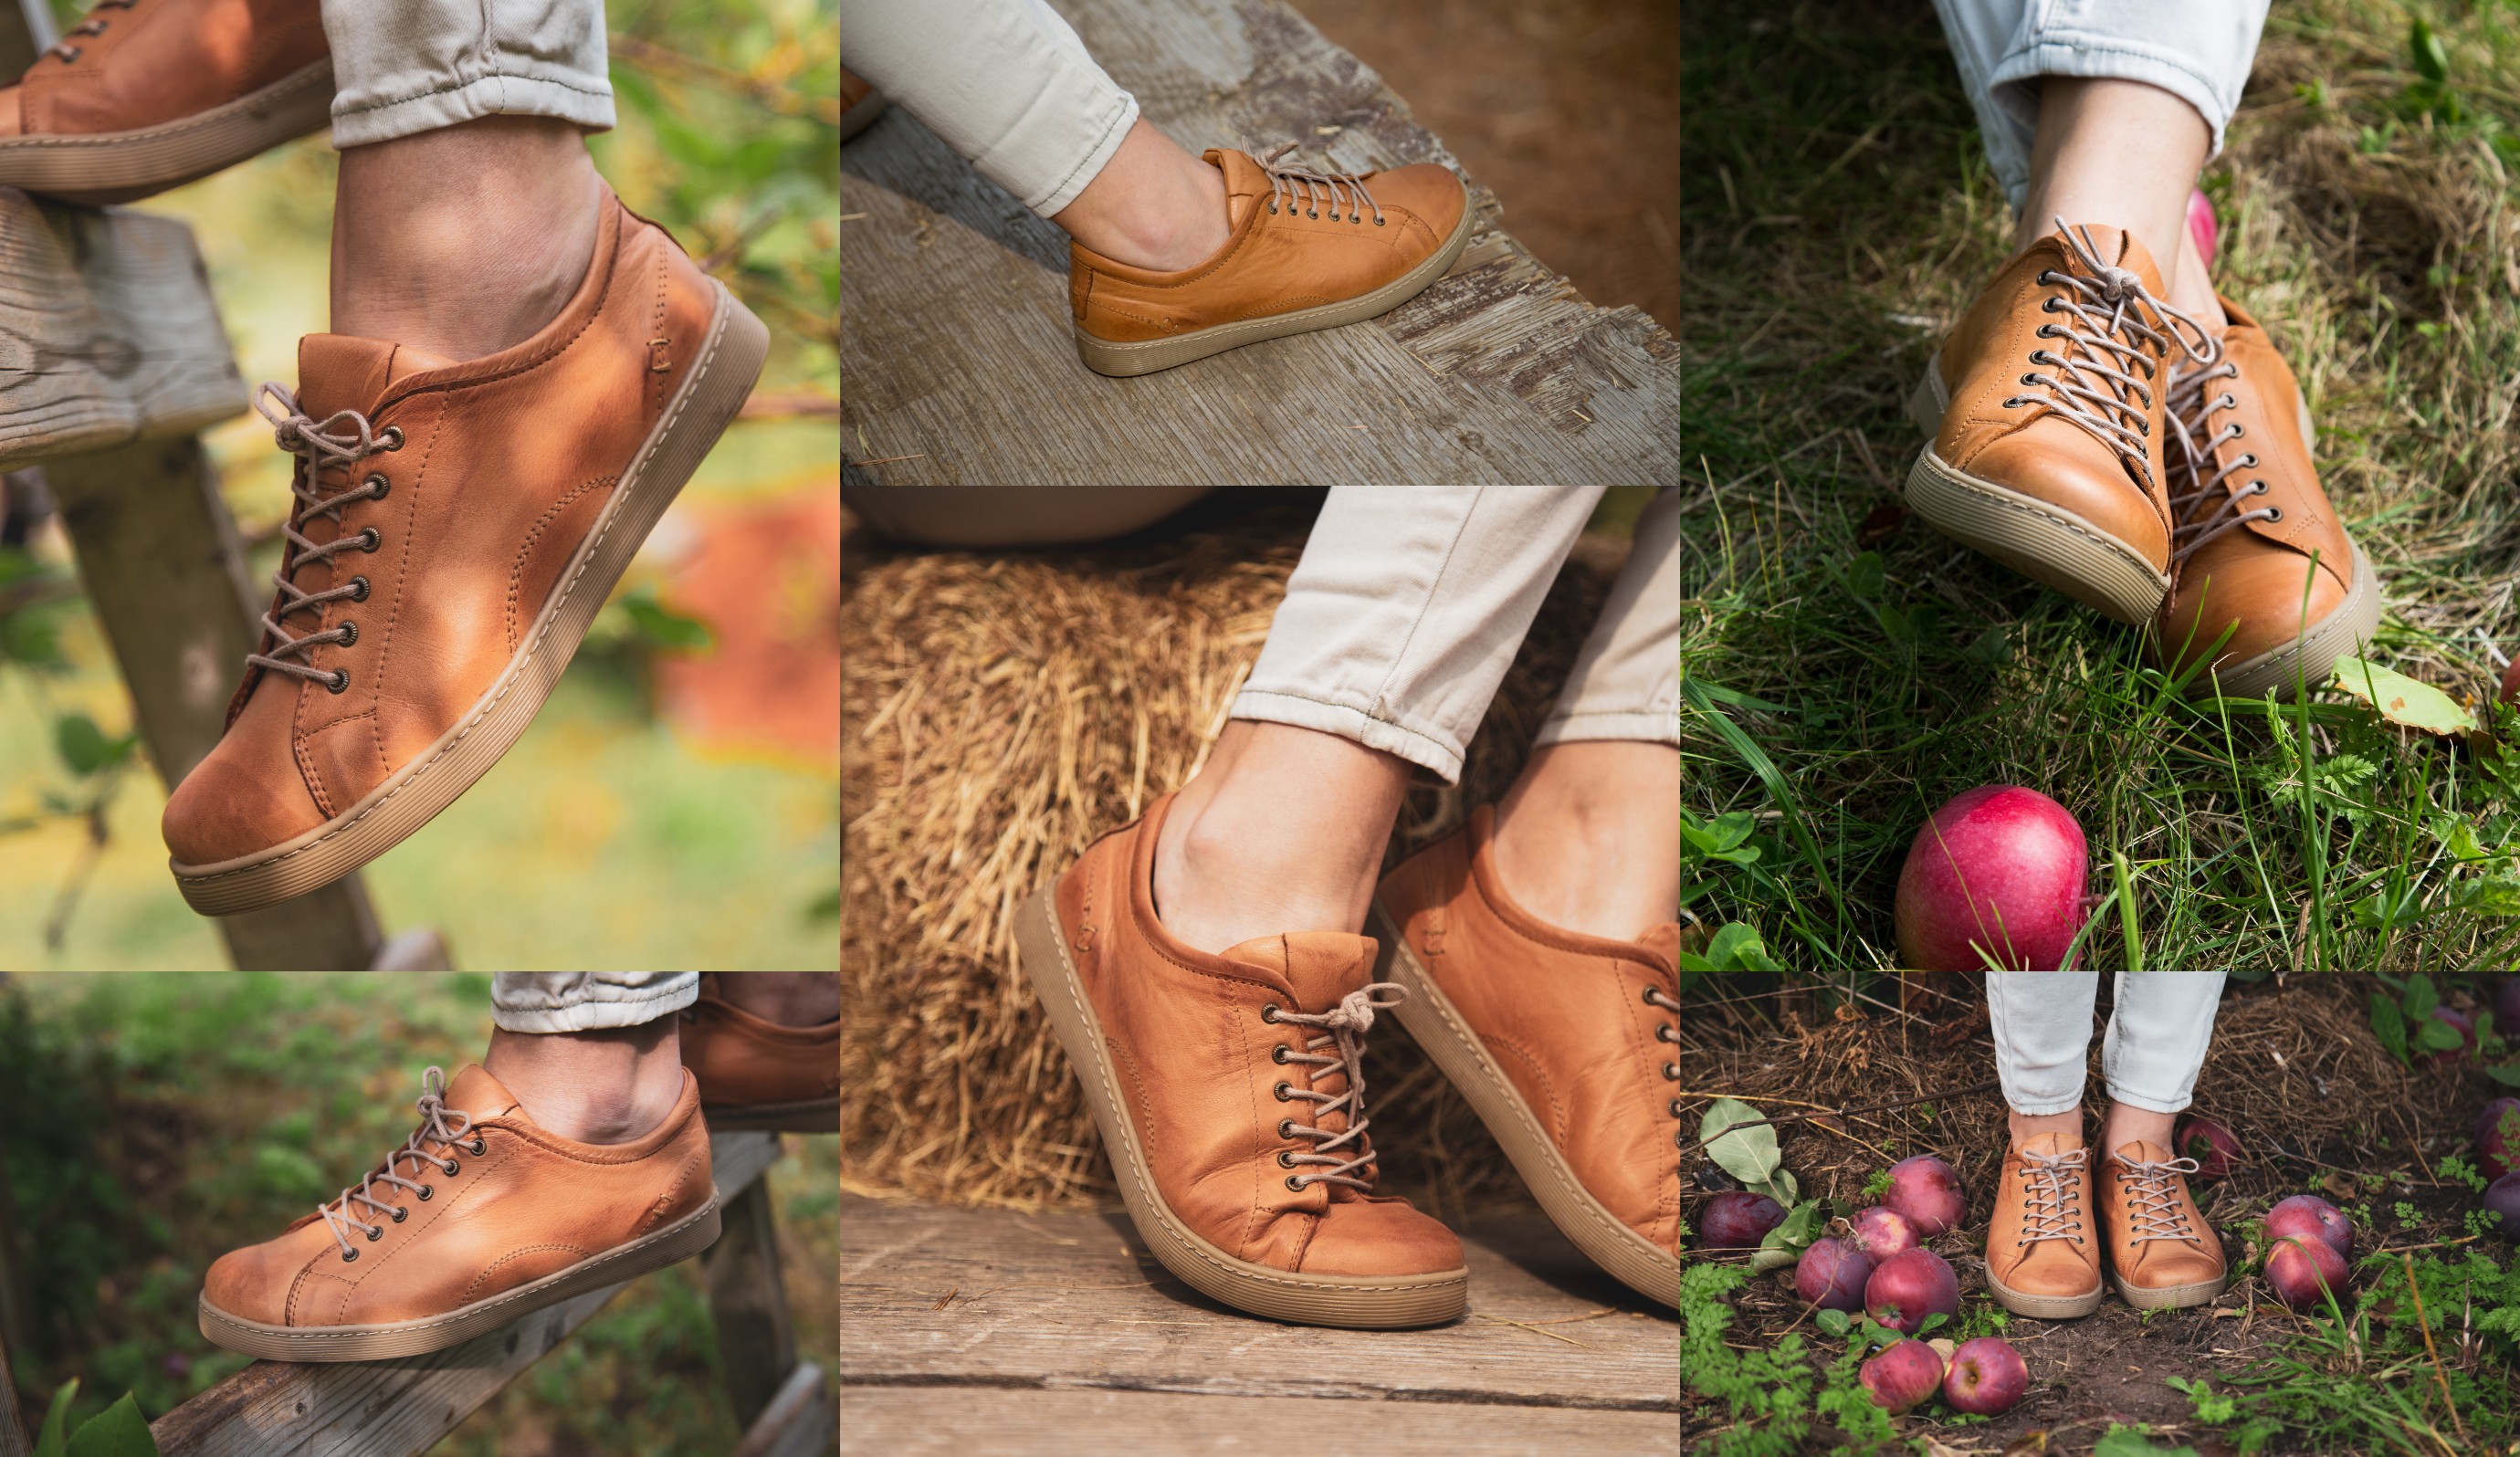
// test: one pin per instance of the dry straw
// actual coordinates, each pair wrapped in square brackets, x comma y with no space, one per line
[1001,710]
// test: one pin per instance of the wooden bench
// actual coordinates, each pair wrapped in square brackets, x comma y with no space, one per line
[958,368]
[112,357]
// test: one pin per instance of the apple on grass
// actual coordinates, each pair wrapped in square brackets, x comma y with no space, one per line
[1832,1275]
[1905,1374]
[1926,1192]
[1881,1231]
[1738,1219]
[2497,1136]
[1909,1286]
[2309,1215]
[2209,1143]
[2304,1270]
[1987,1376]
[1999,874]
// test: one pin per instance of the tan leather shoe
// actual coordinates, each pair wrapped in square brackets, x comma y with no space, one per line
[2162,1253]
[478,1218]
[1310,251]
[143,95]
[2256,551]
[456,527]
[1565,1044]
[754,1072]
[1230,1094]
[2046,408]
[859,103]
[2042,1250]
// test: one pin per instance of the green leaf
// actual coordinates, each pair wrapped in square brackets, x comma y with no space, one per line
[1865,577]
[2507,1075]
[2130,1441]
[2432,58]
[85,747]
[1748,1154]
[2402,700]
[1834,1322]
[50,1442]
[664,626]
[2389,1025]
[2420,998]
[1737,947]
[118,1432]
[2435,1035]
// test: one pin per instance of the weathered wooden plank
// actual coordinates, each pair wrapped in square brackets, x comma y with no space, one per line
[748,1300]
[13,1440]
[400,1408]
[956,344]
[903,1421]
[934,1298]
[798,1422]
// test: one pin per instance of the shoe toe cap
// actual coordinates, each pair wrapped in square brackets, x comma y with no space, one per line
[239,800]
[251,1283]
[1429,191]
[2266,596]
[1380,1237]
[13,111]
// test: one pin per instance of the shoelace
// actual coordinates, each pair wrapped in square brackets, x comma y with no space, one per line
[340,440]
[2154,1211]
[1292,182]
[2096,391]
[1668,1032]
[2207,508]
[2052,1211]
[94,25]
[434,1129]
[1344,1026]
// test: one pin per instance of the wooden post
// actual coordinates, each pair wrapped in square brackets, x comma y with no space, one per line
[13,1442]
[750,1302]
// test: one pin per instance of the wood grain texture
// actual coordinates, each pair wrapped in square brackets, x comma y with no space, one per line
[942,1300]
[13,1440]
[400,1408]
[956,347]
[748,1303]
[797,1423]
[895,1421]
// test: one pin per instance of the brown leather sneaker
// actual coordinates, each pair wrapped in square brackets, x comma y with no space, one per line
[2046,408]
[754,1072]
[1310,251]
[145,95]
[456,526]
[2043,1253]
[2256,551]
[1565,1044]
[1230,1093]
[2162,1253]
[859,103]
[478,1218]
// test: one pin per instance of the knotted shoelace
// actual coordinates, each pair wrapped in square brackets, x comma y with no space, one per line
[338,442]
[2154,1209]
[1292,183]
[2201,507]
[94,25]
[433,1130]
[1345,1026]
[2096,387]
[2052,1211]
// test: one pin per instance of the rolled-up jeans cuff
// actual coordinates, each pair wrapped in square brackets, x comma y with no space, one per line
[471,100]
[1423,749]
[552,1001]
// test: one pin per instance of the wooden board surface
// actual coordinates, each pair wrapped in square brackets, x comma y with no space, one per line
[400,1408]
[899,1422]
[798,1422]
[934,1303]
[956,341]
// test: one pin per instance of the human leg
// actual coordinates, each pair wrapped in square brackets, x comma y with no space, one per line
[2042,1241]
[2162,1251]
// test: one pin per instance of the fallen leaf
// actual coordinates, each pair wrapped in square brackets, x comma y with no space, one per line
[1880,523]
[2401,699]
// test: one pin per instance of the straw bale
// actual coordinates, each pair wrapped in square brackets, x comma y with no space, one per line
[999,710]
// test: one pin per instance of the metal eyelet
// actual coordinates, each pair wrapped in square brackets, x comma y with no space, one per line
[401,1214]
[1273,208]
[1315,217]
[374,539]
[1356,218]
[74,53]
[479,1147]
[1378,222]
[2250,458]
[376,1232]
[1671,1072]
[360,593]
[1647,998]
[350,632]
[1268,1013]
[1286,1128]
[1280,1091]
[339,682]
[1277,1054]
[452,1168]
[2238,429]
[424,1191]
[377,486]
[2029,379]
[2049,306]
[1675,1107]
[2275,514]
[349,1257]
[1664,1034]
[392,435]
[1295,1182]
[1285,1160]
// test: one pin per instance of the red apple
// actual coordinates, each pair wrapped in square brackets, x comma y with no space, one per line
[1909,1286]
[2209,1143]
[2308,1213]
[1738,1219]
[1925,1192]
[2000,870]
[2498,1138]
[1881,1231]
[2200,224]
[1831,1275]
[2464,1026]
[2302,1268]
[1987,1377]
[1904,1374]
[2503,1200]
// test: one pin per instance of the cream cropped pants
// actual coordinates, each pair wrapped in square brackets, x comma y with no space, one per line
[546,1001]
[2159,1027]
[412,66]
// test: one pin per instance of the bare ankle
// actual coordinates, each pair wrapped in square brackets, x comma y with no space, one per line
[604,1086]
[2024,1126]
[1152,206]
[1588,839]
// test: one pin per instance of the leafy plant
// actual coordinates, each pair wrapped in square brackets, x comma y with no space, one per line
[120,1432]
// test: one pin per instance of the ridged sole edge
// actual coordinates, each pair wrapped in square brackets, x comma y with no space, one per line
[2171,1296]
[2044,1306]
[1438,1028]
[392,811]
[124,166]
[677,1242]
[1354,1302]
[2305,661]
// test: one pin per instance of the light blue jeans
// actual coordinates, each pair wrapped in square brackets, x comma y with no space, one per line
[2159,1029]
[2197,50]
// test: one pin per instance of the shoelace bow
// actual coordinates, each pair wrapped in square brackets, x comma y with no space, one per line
[339,441]
[94,25]
[1343,1026]
[1668,1032]
[2154,1211]
[2053,1212]
[434,1129]
[2207,508]
[2097,389]
[1292,182]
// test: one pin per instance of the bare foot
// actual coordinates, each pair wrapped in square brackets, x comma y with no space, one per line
[1152,206]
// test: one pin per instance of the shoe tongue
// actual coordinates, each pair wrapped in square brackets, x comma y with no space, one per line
[2049,1145]
[1244,183]
[343,372]
[2140,1152]
[1662,939]
[2117,248]
[476,1092]
[1318,966]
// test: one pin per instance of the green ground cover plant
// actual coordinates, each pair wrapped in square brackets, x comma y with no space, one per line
[1847,670]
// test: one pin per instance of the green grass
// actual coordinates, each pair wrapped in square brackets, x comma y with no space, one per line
[1851,670]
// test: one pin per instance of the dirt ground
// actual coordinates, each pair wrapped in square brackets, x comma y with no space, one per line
[1568,110]
[2295,1073]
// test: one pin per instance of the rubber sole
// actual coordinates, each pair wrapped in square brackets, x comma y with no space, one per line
[720,378]
[813,1116]
[1439,1028]
[675,1243]
[2044,1307]
[2306,660]
[122,167]
[2168,1296]
[2050,546]
[859,118]
[1145,356]
[1355,1302]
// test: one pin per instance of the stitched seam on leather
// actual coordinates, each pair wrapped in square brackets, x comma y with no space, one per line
[481,710]
[557,347]
[1984,492]
[666,1201]
[657,331]
[220,116]
[470,1290]
[402,566]
[1229,331]
[1549,1088]
[517,573]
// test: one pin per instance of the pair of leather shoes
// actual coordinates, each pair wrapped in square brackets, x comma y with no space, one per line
[2045,1243]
